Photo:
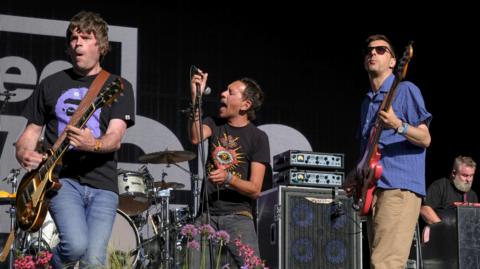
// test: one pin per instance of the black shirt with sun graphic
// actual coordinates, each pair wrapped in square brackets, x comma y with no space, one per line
[233,149]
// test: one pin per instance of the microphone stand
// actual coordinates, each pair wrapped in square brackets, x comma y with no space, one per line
[12,179]
[7,95]
[198,105]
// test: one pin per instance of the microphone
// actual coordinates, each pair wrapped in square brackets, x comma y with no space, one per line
[207,91]
[195,71]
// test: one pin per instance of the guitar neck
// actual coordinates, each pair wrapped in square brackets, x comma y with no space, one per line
[62,143]
[379,125]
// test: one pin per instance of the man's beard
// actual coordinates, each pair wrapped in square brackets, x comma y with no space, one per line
[462,186]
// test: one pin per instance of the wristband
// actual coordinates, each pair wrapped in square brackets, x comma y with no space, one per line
[228,180]
[98,145]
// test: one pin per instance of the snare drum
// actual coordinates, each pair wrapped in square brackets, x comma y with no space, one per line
[132,190]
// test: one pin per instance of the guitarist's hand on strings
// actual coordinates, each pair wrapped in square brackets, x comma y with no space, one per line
[350,182]
[29,159]
[390,119]
[81,139]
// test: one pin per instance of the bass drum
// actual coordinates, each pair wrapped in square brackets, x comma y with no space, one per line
[122,249]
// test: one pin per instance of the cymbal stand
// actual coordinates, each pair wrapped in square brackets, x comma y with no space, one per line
[12,179]
[145,256]
[196,192]
[165,225]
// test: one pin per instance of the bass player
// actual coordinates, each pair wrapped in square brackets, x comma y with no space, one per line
[397,197]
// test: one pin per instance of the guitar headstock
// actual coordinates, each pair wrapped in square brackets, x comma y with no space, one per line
[402,66]
[110,93]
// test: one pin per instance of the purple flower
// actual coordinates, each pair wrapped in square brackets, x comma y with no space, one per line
[189,230]
[223,237]
[206,230]
[193,245]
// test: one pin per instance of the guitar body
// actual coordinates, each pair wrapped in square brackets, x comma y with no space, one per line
[368,178]
[30,217]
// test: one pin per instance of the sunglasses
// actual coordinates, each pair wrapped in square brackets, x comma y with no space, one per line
[380,50]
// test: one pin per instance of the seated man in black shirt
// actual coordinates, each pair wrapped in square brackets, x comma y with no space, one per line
[444,193]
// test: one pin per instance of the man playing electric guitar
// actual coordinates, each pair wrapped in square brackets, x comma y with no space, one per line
[401,151]
[84,207]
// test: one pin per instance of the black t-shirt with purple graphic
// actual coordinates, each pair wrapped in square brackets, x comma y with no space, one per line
[233,149]
[53,103]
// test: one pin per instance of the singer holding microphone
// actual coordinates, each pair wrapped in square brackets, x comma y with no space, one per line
[238,153]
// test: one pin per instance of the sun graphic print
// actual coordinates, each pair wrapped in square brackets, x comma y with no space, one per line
[225,154]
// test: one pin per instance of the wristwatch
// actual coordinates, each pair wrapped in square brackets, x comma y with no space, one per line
[402,129]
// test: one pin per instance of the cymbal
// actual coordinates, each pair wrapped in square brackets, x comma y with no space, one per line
[168,156]
[7,198]
[6,194]
[165,185]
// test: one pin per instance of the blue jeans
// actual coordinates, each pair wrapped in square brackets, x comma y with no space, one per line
[236,226]
[84,217]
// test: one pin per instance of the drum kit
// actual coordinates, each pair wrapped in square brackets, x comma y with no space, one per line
[138,192]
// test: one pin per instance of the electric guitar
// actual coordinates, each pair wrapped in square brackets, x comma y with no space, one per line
[31,201]
[369,169]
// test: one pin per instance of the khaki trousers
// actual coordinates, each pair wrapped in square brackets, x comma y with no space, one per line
[391,227]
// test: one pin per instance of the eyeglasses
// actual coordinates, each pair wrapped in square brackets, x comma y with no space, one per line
[380,50]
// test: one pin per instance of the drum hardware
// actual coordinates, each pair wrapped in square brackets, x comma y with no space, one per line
[139,220]
[165,248]
[194,178]
[168,185]
[174,157]
[164,228]
[10,198]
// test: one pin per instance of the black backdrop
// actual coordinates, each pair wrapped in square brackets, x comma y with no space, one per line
[307,59]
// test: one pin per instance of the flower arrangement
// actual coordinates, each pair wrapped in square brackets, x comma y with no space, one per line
[39,261]
[220,239]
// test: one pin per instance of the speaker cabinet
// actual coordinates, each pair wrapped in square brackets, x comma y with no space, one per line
[302,227]
[455,242]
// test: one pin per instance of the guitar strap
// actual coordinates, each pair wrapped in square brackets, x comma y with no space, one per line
[92,93]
